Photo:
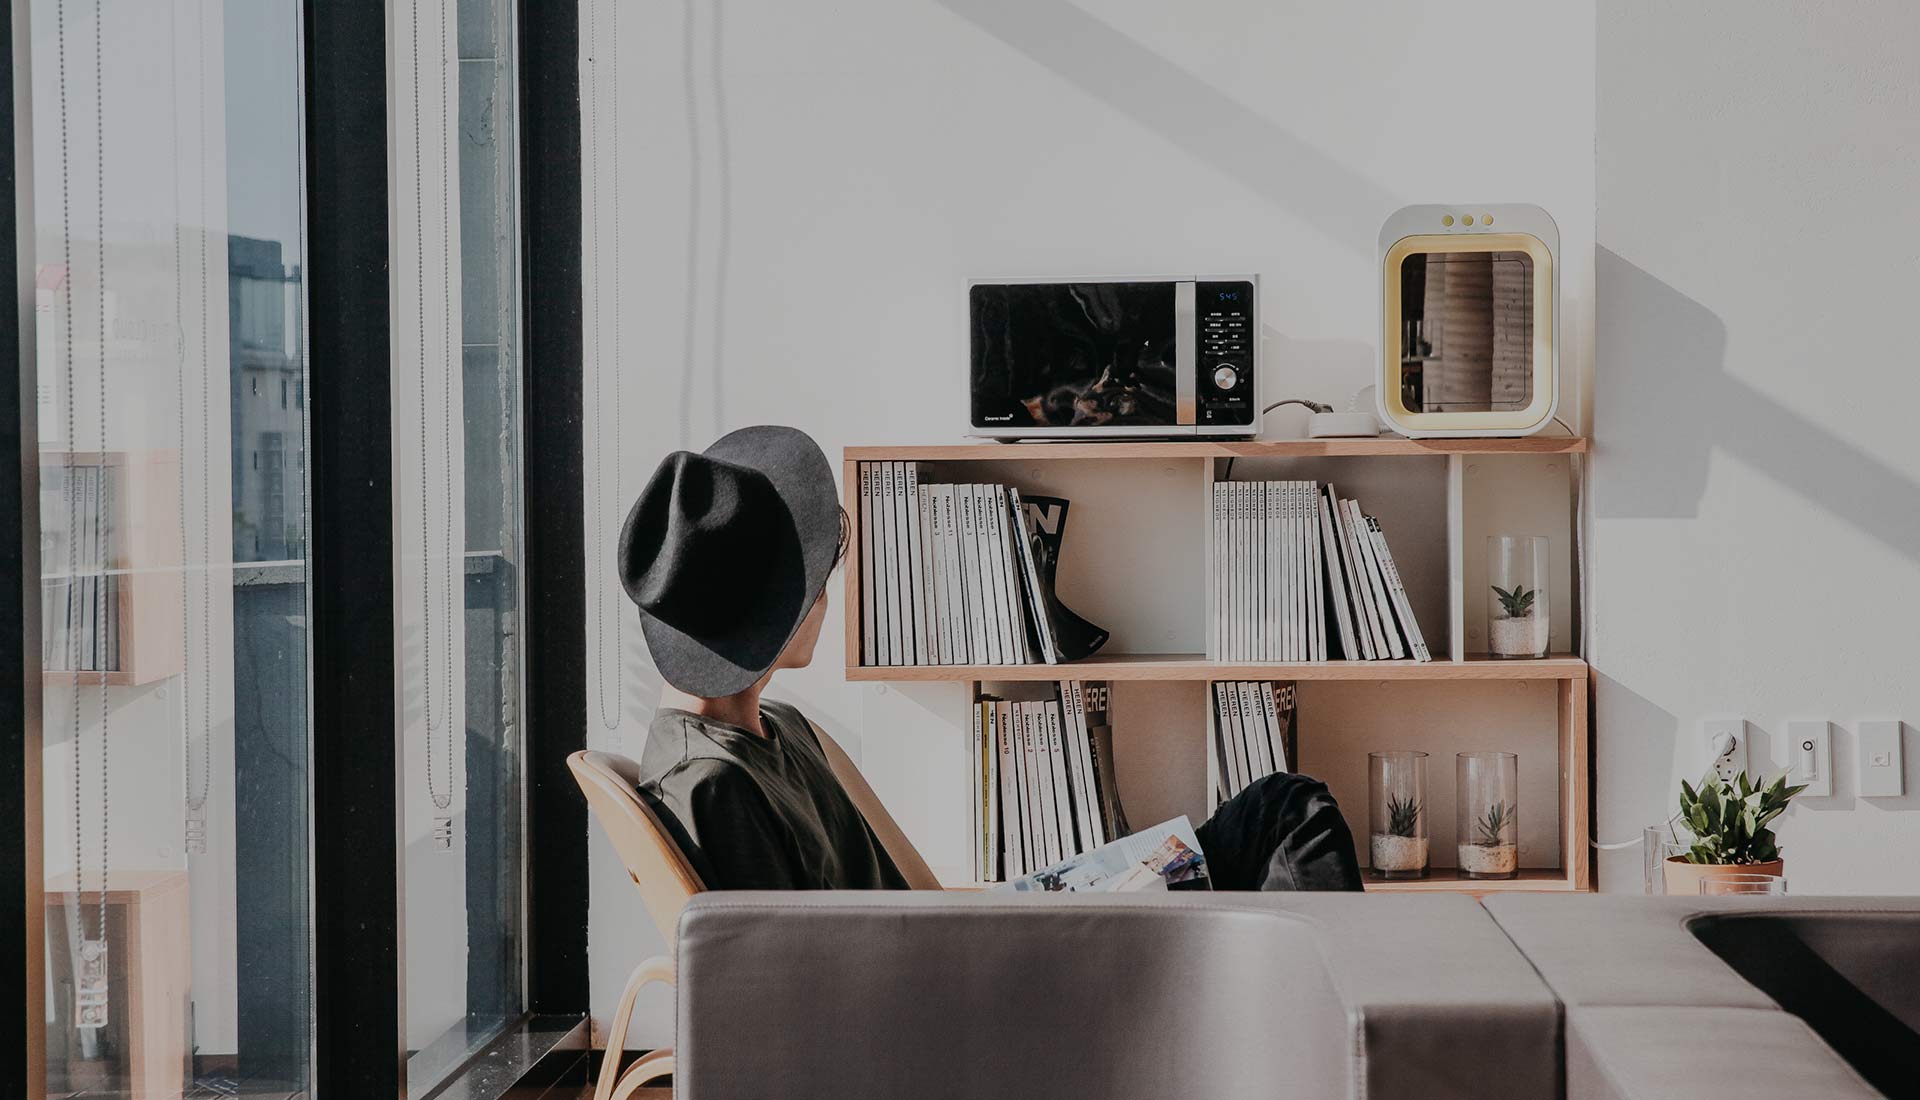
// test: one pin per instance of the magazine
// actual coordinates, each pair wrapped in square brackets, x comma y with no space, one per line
[1074,637]
[1165,857]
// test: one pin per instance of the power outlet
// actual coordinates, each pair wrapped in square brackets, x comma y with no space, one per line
[1881,766]
[1726,746]
[1810,756]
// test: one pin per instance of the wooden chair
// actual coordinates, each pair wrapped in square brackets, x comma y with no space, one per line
[667,881]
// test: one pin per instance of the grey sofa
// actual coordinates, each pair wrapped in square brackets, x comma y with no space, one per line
[1296,995]
[859,996]
[1748,998]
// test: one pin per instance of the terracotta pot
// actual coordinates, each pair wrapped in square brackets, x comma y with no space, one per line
[1683,878]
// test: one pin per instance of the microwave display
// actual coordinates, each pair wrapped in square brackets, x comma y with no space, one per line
[1073,354]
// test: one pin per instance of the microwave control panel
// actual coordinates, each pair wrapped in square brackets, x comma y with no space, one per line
[1224,320]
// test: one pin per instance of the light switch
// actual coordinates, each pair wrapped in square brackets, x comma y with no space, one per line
[1810,751]
[1882,771]
[1726,746]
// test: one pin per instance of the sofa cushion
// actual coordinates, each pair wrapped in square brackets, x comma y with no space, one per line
[1661,1053]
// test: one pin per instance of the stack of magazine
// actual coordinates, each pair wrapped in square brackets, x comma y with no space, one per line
[947,574]
[1300,574]
[1253,732]
[79,600]
[961,574]
[1042,784]
[1165,857]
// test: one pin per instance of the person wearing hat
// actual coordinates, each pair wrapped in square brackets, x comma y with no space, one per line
[727,554]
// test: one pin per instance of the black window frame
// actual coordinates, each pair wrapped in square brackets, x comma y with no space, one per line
[359,1047]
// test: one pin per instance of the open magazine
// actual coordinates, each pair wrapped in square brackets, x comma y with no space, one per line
[1165,857]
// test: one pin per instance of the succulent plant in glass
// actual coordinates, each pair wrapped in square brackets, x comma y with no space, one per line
[1397,789]
[1403,816]
[1490,828]
[1516,603]
[1517,596]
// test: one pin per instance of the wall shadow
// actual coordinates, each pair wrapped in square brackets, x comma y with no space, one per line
[1189,113]
[1654,340]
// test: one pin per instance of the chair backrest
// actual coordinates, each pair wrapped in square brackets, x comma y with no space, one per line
[905,856]
[667,881]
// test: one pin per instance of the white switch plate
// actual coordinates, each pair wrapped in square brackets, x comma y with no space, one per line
[1882,771]
[1810,758]
[1733,760]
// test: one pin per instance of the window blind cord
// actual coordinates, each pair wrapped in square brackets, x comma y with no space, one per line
[441,800]
[612,659]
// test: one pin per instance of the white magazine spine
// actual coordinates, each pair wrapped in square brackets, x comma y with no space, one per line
[884,563]
[970,577]
[1376,582]
[1282,552]
[1372,642]
[1259,530]
[1236,743]
[913,568]
[1216,576]
[929,587]
[1062,779]
[981,858]
[1316,606]
[959,641]
[1398,591]
[1012,834]
[1276,738]
[1008,561]
[869,636]
[1039,815]
[1083,755]
[1258,750]
[992,600]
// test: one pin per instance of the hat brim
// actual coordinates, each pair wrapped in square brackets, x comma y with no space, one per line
[792,570]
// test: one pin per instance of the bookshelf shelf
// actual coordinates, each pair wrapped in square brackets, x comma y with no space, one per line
[1386,446]
[1135,565]
[1192,666]
[1445,880]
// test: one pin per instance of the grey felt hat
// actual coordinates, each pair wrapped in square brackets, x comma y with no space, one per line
[725,552]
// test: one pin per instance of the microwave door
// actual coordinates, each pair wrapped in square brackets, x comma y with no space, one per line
[1088,357]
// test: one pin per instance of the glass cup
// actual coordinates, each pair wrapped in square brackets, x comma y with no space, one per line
[1487,804]
[1516,596]
[1398,847]
[1721,886]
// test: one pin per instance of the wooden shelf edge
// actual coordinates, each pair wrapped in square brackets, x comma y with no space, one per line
[1445,880]
[1385,446]
[1183,667]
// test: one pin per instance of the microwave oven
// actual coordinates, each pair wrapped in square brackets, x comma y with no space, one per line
[1114,357]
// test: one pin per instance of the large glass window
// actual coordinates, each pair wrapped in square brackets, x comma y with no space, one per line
[457,468]
[167,187]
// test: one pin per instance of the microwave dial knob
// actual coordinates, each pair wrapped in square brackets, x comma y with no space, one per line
[1225,377]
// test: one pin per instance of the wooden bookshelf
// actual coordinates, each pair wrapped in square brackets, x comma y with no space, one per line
[1274,448]
[1443,484]
[146,564]
[1193,666]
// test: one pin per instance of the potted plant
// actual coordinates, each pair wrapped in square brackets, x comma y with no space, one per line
[1729,821]
[1517,609]
[1396,796]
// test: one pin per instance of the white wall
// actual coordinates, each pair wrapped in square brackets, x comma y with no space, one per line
[856,162]
[1756,494]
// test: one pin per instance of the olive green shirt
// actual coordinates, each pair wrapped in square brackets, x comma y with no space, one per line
[760,813]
